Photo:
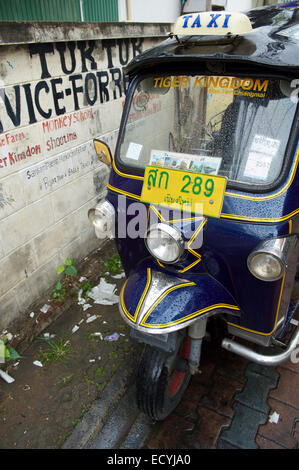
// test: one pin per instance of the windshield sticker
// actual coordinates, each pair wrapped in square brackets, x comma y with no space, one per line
[292,32]
[183,161]
[257,166]
[226,85]
[133,151]
[265,145]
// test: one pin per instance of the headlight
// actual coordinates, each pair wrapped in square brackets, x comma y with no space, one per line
[270,258]
[102,218]
[266,267]
[165,242]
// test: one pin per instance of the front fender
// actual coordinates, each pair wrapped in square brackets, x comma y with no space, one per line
[154,302]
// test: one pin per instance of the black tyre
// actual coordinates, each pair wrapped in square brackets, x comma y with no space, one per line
[162,380]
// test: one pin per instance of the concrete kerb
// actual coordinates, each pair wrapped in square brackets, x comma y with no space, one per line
[99,412]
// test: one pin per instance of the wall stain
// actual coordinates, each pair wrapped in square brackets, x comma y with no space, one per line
[4,199]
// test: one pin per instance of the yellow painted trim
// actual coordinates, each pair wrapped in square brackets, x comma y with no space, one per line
[191,315]
[143,294]
[133,318]
[125,193]
[155,210]
[190,265]
[160,264]
[123,303]
[230,194]
[163,295]
[223,215]
[125,175]
[189,218]
[253,219]
[276,316]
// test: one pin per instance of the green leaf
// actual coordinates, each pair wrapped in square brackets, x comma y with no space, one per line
[58,285]
[68,262]
[99,372]
[71,271]
[6,353]
[60,269]
[13,354]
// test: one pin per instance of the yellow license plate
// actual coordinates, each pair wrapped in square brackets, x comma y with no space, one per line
[184,190]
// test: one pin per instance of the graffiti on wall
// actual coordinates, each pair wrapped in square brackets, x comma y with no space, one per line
[82,80]
[56,106]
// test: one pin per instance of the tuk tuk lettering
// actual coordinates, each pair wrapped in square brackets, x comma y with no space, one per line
[83,80]
[171,82]
[232,83]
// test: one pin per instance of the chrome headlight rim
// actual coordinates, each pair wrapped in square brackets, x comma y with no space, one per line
[255,254]
[105,213]
[174,233]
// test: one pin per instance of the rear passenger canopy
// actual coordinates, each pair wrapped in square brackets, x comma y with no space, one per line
[211,23]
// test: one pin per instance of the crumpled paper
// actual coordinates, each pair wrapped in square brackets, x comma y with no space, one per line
[104,293]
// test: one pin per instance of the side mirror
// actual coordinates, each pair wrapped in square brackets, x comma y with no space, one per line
[103,152]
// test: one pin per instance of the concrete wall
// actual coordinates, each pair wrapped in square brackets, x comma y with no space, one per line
[231,5]
[154,11]
[61,86]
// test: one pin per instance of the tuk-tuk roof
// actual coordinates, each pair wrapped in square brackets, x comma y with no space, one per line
[271,44]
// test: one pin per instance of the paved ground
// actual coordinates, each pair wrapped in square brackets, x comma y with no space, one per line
[227,406]
[88,400]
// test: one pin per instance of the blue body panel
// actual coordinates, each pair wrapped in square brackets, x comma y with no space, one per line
[246,220]
[177,305]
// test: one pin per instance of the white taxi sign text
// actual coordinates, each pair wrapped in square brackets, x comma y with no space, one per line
[212,23]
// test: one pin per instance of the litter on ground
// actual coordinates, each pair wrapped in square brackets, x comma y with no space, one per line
[97,333]
[45,308]
[75,328]
[119,276]
[274,417]
[113,337]
[48,336]
[6,377]
[104,293]
[90,319]
[37,363]
[86,306]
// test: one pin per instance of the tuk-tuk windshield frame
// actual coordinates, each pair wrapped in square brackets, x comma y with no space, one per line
[144,105]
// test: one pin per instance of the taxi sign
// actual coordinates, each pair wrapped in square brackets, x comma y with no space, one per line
[211,23]
[184,190]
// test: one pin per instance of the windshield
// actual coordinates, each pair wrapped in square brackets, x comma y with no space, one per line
[233,127]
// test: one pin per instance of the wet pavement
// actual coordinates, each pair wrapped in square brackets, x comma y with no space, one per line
[229,405]
[88,400]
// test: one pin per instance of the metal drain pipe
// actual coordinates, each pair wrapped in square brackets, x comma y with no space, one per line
[263,359]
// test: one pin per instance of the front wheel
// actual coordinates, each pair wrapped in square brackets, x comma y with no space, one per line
[162,380]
